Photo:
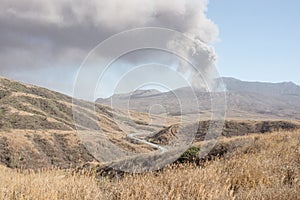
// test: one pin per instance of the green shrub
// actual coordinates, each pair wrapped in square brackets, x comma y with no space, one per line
[190,155]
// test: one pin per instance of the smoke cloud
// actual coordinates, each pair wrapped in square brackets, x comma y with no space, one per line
[58,34]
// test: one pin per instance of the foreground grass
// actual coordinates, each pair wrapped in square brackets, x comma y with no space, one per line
[263,167]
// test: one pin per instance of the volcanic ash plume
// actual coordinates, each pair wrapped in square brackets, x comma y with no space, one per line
[68,29]
[185,16]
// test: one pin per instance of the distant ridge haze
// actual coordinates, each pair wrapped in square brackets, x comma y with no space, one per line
[234,85]
[287,88]
[244,100]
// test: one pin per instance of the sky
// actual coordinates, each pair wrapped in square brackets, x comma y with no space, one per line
[259,39]
[45,42]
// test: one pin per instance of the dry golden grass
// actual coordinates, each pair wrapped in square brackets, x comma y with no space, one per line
[265,167]
[50,184]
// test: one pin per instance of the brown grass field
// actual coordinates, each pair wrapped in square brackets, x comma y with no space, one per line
[264,167]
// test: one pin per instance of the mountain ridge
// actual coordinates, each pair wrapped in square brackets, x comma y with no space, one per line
[236,85]
[244,99]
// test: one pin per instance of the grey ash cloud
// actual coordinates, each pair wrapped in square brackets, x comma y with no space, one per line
[52,36]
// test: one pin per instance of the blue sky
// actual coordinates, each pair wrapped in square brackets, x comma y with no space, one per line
[259,39]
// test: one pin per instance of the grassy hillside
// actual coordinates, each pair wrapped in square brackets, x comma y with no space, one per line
[37,128]
[257,167]
[33,108]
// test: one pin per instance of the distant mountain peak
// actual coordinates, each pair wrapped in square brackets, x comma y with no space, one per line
[244,98]
[282,88]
